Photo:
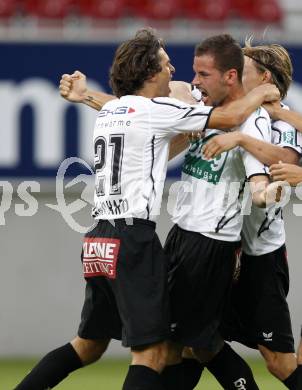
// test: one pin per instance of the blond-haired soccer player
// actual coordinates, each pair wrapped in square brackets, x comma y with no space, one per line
[259,298]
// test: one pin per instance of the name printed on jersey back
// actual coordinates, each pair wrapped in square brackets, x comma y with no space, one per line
[114,207]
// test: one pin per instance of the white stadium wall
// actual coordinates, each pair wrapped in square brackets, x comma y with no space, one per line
[41,286]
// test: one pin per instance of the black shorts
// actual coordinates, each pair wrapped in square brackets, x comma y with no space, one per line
[200,279]
[126,284]
[259,312]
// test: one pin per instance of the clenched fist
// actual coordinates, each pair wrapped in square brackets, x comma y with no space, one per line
[73,87]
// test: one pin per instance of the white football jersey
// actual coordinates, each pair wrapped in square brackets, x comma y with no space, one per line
[209,200]
[263,230]
[131,145]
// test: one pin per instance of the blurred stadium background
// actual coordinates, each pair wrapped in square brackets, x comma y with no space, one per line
[41,288]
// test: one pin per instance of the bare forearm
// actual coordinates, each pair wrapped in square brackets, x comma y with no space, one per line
[291,117]
[235,112]
[267,197]
[265,152]
[264,193]
[258,185]
[95,99]
[178,144]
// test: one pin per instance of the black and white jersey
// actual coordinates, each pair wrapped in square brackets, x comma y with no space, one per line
[209,199]
[131,145]
[263,230]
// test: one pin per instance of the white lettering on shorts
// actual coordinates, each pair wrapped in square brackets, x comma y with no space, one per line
[100,256]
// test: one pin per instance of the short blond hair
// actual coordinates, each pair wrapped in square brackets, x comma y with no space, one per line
[274,58]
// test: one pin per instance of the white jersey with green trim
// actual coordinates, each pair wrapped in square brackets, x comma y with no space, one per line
[210,196]
[263,230]
[131,144]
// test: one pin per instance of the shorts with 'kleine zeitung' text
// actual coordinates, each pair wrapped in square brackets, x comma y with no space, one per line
[126,283]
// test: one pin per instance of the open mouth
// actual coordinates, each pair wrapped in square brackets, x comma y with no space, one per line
[196,93]
[204,95]
[199,94]
[203,92]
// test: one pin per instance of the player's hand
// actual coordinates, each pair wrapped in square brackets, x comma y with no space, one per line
[269,92]
[273,109]
[288,172]
[73,87]
[219,144]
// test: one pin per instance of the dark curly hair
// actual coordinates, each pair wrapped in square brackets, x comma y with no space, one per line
[135,61]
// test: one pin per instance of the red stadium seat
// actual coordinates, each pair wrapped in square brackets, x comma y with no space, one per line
[101,9]
[136,8]
[8,8]
[243,8]
[154,9]
[267,11]
[50,9]
[210,10]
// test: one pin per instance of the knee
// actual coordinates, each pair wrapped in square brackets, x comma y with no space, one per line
[300,353]
[153,356]
[187,353]
[88,350]
[162,355]
[274,367]
[174,355]
[159,354]
[281,365]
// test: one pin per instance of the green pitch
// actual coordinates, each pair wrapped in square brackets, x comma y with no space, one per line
[109,374]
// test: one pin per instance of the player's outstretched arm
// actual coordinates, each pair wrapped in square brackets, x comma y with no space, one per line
[278,113]
[264,151]
[288,172]
[239,110]
[73,87]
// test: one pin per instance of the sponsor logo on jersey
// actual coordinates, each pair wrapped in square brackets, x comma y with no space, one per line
[288,137]
[100,257]
[240,384]
[104,124]
[196,166]
[268,336]
[117,111]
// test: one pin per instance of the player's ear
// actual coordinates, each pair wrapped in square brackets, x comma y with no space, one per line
[231,76]
[153,78]
[267,76]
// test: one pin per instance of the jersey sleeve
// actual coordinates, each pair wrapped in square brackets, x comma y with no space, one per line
[286,136]
[258,126]
[173,116]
